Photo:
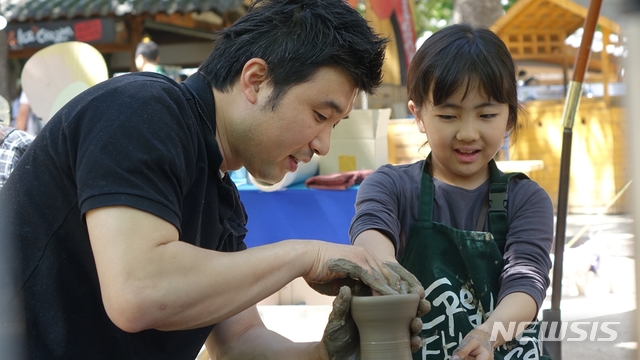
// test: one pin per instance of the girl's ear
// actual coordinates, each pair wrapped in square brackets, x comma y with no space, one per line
[417,115]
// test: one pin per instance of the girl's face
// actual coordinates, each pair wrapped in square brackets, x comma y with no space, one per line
[464,135]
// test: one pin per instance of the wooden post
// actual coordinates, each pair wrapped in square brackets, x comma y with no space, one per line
[572,101]
[605,66]
[135,27]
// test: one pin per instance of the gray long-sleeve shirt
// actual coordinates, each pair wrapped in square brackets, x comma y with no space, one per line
[387,201]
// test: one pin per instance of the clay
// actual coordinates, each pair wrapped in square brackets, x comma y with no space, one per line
[383,323]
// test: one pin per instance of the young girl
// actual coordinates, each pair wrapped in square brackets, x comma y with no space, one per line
[484,264]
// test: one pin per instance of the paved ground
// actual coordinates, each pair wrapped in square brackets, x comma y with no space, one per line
[588,301]
[609,297]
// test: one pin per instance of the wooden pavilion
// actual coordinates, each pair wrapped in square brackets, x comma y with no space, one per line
[535,31]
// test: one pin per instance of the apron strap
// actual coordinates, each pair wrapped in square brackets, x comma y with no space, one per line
[425,207]
[497,204]
[483,216]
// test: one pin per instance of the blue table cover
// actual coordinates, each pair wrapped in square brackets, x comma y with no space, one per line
[297,212]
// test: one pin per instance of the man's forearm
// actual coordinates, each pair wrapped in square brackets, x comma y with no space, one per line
[265,344]
[246,337]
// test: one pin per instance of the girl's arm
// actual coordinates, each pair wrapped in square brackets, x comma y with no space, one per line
[378,244]
[516,308]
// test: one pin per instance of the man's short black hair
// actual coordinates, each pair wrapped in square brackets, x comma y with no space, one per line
[296,38]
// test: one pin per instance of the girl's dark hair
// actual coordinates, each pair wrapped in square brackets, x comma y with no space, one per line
[296,38]
[460,55]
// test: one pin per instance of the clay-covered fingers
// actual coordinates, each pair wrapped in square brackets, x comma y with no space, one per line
[407,281]
[416,327]
[416,343]
[424,307]
[388,279]
[341,338]
[379,280]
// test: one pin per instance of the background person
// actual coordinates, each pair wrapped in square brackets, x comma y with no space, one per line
[25,119]
[129,231]
[432,215]
[147,57]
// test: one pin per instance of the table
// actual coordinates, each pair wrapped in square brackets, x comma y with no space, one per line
[297,212]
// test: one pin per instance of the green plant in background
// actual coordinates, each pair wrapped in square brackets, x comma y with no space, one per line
[432,15]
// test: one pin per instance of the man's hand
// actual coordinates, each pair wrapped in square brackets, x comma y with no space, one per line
[386,279]
[341,338]
[334,263]
[476,345]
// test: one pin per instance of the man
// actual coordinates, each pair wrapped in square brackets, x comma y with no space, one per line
[130,233]
[147,57]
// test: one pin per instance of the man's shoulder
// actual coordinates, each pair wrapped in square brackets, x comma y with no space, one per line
[142,76]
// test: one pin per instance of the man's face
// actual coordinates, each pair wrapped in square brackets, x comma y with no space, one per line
[273,141]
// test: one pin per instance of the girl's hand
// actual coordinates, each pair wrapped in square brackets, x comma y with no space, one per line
[477,345]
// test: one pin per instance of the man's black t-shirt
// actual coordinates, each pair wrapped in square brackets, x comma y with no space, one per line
[139,140]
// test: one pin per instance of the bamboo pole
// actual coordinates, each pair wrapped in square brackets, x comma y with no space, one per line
[572,101]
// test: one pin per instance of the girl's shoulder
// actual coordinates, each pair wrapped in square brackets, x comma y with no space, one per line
[396,179]
[527,191]
[411,171]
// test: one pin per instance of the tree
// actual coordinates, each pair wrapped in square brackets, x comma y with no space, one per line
[477,13]
[432,15]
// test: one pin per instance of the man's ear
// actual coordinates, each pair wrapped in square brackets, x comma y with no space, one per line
[417,115]
[254,74]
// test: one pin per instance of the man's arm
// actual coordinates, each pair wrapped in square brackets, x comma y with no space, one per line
[244,336]
[150,279]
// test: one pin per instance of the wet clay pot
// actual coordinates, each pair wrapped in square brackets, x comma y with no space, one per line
[383,323]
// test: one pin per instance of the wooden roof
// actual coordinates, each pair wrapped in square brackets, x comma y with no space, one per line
[39,10]
[536,29]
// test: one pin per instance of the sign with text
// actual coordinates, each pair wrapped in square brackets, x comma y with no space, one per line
[93,31]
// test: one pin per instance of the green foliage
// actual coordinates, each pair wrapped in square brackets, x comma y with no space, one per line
[508,4]
[432,15]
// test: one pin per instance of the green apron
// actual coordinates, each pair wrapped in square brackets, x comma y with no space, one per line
[460,271]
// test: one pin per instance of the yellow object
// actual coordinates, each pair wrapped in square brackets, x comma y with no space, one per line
[346,163]
[56,74]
